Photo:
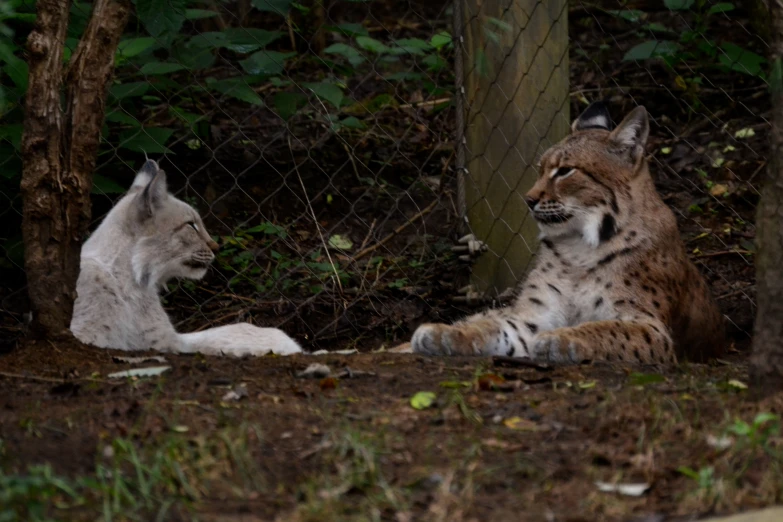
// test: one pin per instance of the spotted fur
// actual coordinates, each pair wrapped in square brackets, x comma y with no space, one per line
[612,280]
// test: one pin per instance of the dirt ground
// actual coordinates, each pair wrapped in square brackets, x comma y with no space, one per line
[500,441]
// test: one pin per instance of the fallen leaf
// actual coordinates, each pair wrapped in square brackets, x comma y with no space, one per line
[520,424]
[719,443]
[747,132]
[631,490]
[423,400]
[340,242]
[737,385]
[490,381]
[236,394]
[329,383]
[140,372]
[315,371]
[718,190]
[454,384]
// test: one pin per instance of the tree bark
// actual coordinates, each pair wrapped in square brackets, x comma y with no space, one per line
[59,151]
[517,99]
[766,364]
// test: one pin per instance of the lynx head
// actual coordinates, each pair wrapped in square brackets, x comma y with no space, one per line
[584,180]
[170,238]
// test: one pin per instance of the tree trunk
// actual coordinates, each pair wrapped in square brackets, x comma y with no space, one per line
[515,58]
[766,364]
[59,151]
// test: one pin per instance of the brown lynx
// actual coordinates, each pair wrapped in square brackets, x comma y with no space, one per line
[612,280]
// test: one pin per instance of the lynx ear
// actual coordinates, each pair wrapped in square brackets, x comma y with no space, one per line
[145,175]
[631,135]
[595,116]
[154,191]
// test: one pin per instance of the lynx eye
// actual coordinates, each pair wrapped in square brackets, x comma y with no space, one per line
[193,225]
[562,172]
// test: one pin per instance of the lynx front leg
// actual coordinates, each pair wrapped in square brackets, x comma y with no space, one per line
[606,340]
[491,333]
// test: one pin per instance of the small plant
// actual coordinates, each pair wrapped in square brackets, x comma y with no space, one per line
[756,434]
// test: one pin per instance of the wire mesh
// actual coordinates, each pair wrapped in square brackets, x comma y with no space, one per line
[337,150]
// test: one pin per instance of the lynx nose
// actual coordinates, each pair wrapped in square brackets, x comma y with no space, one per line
[531,202]
[213,246]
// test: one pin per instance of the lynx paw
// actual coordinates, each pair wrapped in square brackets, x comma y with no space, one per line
[560,349]
[430,339]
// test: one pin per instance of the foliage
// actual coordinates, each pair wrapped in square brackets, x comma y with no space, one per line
[697,44]
[180,60]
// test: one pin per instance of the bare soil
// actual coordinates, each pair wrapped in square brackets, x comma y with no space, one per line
[500,442]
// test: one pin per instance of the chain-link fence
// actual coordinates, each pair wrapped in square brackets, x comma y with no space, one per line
[338,150]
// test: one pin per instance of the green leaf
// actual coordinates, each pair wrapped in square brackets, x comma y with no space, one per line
[688,472]
[161,17]
[651,49]
[134,46]
[741,60]
[280,7]
[631,15]
[153,68]
[440,40]
[720,7]
[678,5]
[327,91]
[350,29]
[150,140]
[764,417]
[15,67]
[287,103]
[353,56]
[265,62]
[352,122]
[657,28]
[267,228]
[340,242]
[119,116]
[199,14]
[371,44]
[247,40]
[12,133]
[403,76]
[188,117]
[415,46]
[640,379]
[129,90]
[236,88]
[103,185]
[423,400]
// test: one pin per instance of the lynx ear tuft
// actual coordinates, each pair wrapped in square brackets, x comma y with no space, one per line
[595,116]
[145,174]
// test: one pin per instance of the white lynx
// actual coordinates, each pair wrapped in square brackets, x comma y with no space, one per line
[148,238]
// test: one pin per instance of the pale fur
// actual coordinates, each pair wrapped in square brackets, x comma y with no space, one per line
[147,239]
[612,279]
